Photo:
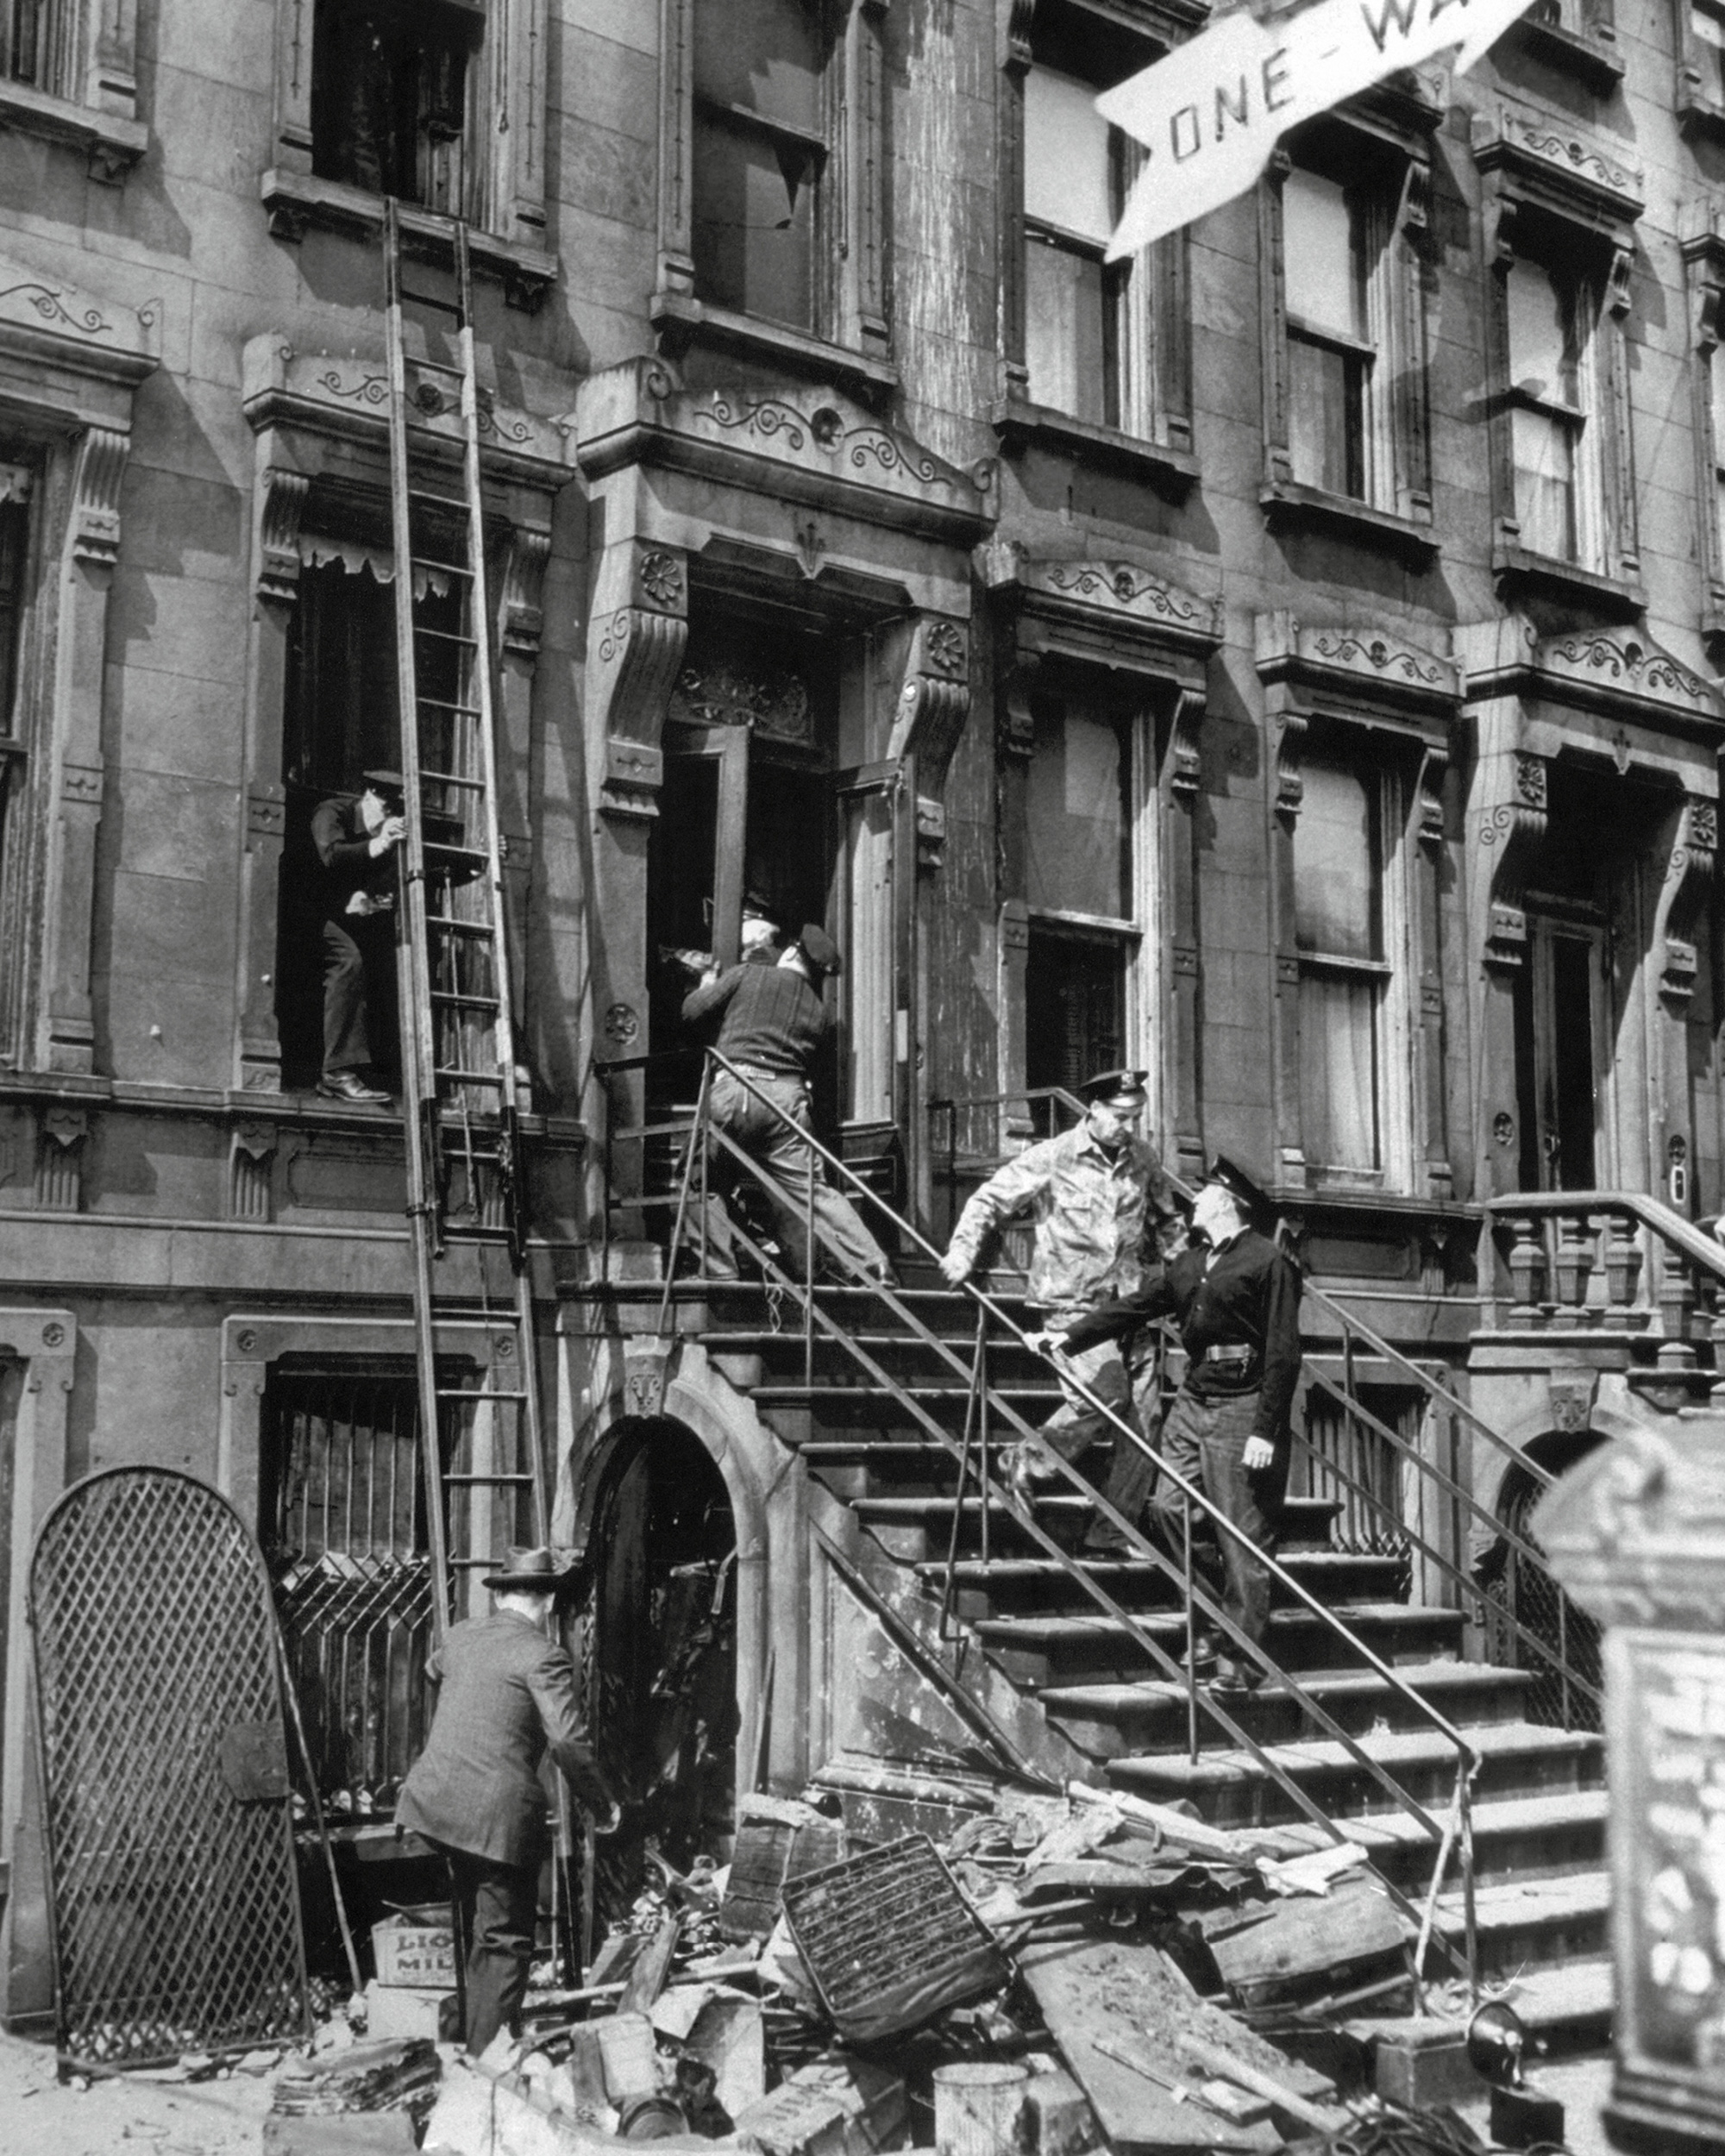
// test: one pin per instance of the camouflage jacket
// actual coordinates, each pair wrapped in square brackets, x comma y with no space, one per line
[1104,1221]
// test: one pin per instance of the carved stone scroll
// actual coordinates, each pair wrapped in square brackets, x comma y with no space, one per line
[1511,833]
[1688,883]
[635,640]
[934,697]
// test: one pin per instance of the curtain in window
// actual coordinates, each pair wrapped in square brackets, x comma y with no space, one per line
[1337,927]
[1070,339]
[1077,826]
[1546,425]
[1324,279]
[1338,1070]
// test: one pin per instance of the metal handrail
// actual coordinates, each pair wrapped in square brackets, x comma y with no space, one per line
[1468,1759]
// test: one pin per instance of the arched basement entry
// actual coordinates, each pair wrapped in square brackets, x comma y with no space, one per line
[657,1648]
[1550,1631]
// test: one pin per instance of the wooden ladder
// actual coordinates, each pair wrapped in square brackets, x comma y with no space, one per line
[479,1436]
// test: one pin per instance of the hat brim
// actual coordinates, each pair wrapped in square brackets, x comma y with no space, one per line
[528,1582]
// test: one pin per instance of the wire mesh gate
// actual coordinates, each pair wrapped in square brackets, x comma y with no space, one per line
[175,1895]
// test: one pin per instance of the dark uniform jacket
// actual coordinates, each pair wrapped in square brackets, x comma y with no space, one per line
[773,1020]
[344,851]
[505,1695]
[1247,1300]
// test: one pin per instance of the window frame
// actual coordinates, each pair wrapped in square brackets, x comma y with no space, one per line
[1557,198]
[851,342]
[504,159]
[92,106]
[1379,148]
[1152,436]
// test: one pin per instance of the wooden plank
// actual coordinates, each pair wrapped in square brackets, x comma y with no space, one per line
[1131,1998]
[1310,1937]
[647,1978]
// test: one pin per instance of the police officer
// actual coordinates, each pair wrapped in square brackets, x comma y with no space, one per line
[355,841]
[1236,1298]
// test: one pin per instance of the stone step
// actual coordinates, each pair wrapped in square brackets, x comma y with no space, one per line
[1576,1999]
[1517,1837]
[1528,1924]
[1038,1651]
[1232,1790]
[1111,1722]
[1030,1584]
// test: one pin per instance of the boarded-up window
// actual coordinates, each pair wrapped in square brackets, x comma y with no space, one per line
[759,157]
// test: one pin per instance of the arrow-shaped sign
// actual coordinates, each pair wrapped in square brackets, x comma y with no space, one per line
[1208,115]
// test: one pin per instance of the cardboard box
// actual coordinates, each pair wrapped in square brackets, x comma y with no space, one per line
[414,1956]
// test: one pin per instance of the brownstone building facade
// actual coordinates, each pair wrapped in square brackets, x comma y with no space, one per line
[1286,661]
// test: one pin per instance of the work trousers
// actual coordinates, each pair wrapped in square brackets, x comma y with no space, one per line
[1204,1440]
[1126,1382]
[497,1907]
[359,951]
[792,1179]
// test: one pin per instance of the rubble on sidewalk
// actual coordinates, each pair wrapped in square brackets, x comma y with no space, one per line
[1069,1973]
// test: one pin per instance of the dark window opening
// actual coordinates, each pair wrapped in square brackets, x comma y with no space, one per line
[1074,1012]
[15,761]
[760,154]
[342,1519]
[39,39]
[389,97]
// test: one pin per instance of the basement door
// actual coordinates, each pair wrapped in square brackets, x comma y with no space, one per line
[174,1891]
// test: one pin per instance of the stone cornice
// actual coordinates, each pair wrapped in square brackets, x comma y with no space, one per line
[347,399]
[812,446]
[1618,671]
[1115,612]
[1558,168]
[1369,670]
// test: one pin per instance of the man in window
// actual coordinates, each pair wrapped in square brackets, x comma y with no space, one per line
[1105,1217]
[505,1695]
[772,1022]
[1236,1298]
[355,843]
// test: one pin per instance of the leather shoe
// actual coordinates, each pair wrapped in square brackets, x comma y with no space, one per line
[1202,1655]
[347,1085]
[1237,1676]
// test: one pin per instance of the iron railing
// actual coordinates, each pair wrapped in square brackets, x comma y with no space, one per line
[705,1141]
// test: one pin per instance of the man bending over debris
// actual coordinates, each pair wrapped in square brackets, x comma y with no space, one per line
[1236,1298]
[1104,1216]
[504,1695]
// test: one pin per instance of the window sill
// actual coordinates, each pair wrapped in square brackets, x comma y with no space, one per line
[1697,114]
[683,322]
[1021,426]
[295,201]
[1286,503]
[112,144]
[1613,597]
[1591,58]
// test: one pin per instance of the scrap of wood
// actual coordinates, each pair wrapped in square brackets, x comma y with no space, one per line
[1099,1875]
[1220,1844]
[1310,1938]
[1227,2066]
[647,1978]
[1315,1872]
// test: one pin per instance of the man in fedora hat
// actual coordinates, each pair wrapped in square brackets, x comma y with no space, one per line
[773,1021]
[505,1695]
[355,841]
[1236,1298]
[1105,1217]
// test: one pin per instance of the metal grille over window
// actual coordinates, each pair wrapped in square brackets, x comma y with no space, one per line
[175,1895]
[344,1528]
[1349,1464]
[1520,1592]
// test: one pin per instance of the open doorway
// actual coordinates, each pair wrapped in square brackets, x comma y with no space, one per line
[659,1657]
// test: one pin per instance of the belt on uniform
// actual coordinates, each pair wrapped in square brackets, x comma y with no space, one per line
[1229,1357]
[754,1070]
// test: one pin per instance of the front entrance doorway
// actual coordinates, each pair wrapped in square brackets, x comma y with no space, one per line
[659,1659]
[1562,1051]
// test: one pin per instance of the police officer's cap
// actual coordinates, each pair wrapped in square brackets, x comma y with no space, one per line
[1248,1194]
[1122,1089]
[819,948]
[388,786]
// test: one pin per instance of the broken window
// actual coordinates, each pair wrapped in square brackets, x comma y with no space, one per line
[1084,933]
[760,158]
[1551,315]
[389,97]
[1343,893]
[342,1523]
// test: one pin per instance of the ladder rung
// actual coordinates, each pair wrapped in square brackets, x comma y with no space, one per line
[490,1481]
[460,995]
[442,703]
[429,299]
[443,636]
[475,1564]
[467,853]
[448,568]
[468,1077]
[440,367]
[451,778]
[466,928]
[462,1392]
[438,501]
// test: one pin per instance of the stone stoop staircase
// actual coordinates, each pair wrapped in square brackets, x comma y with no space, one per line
[1540,1804]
